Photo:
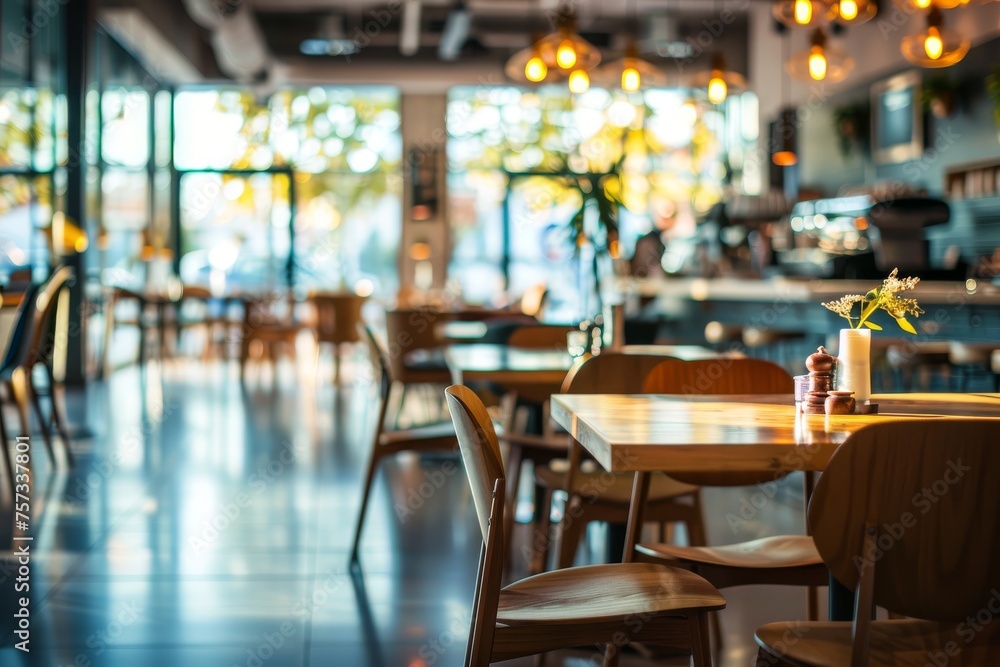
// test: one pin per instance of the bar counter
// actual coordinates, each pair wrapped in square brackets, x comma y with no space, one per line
[952,311]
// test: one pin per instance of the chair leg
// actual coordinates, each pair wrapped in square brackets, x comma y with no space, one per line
[6,452]
[60,423]
[540,548]
[571,529]
[366,493]
[696,525]
[812,603]
[37,406]
[700,650]
[19,392]
[513,466]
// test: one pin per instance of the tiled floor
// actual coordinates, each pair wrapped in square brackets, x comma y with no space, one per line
[209,525]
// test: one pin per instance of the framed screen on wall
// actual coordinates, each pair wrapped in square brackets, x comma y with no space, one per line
[897,119]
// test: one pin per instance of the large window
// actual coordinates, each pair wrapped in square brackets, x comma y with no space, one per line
[517,160]
[33,149]
[306,181]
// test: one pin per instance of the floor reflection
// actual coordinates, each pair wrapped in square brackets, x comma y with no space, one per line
[209,524]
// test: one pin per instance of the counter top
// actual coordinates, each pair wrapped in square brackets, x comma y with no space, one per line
[799,291]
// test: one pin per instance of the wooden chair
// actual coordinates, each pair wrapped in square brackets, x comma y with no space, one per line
[595,495]
[136,315]
[272,330]
[416,331]
[602,604]
[338,315]
[35,343]
[17,386]
[433,438]
[908,515]
[788,559]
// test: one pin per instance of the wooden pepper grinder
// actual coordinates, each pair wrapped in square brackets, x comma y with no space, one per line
[822,365]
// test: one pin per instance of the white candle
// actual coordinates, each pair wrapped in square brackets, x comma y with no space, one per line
[854,363]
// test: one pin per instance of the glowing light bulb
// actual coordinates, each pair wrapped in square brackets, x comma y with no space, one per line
[817,63]
[717,88]
[535,69]
[579,82]
[848,10]
[566,54]
[802,11]
[933,46]
[921,4]
[631,79]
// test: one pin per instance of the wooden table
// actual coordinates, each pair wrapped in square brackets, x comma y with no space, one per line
[646,433]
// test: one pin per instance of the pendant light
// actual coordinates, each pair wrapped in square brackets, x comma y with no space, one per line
[936,46]
[820,63]
[940,4]
[562,53]
[579,81]
[805,13]
[784,129]
[717,81]
[855,12]
[631,72]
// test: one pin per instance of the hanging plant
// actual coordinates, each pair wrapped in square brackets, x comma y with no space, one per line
[993,90]
[851,124]
[939,95]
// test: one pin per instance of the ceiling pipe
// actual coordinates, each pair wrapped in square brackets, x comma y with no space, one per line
[409,33]
[237,40]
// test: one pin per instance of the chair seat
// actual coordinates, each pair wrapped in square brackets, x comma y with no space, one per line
[616,489]
[783,551]
[903,642]
[600,593]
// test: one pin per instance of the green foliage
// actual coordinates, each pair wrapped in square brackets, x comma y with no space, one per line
[884,298]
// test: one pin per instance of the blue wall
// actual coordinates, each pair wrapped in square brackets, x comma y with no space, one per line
[968,135]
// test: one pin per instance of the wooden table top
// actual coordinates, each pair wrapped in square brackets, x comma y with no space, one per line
[733,433]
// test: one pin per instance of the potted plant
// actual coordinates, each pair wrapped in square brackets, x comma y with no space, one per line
[993,90]
[854,362]
[939,95]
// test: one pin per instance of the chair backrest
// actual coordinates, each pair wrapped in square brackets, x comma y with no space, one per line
[611,373]
[725,375]
[408,330]
[718,376]
[909,514]
[539,336]
[19,341]
[337,316]
[48,299]
[379,359]
[477,441]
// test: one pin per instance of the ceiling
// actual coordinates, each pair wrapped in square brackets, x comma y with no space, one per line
[261,41]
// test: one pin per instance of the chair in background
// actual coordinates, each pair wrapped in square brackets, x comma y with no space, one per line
[338,315]
[385,443]
[601,604]
[789,559]
[413,347]
[908,515]
[124,308]
[17,386]
[969,360]
[595,495]
[269,323]
[36,343]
